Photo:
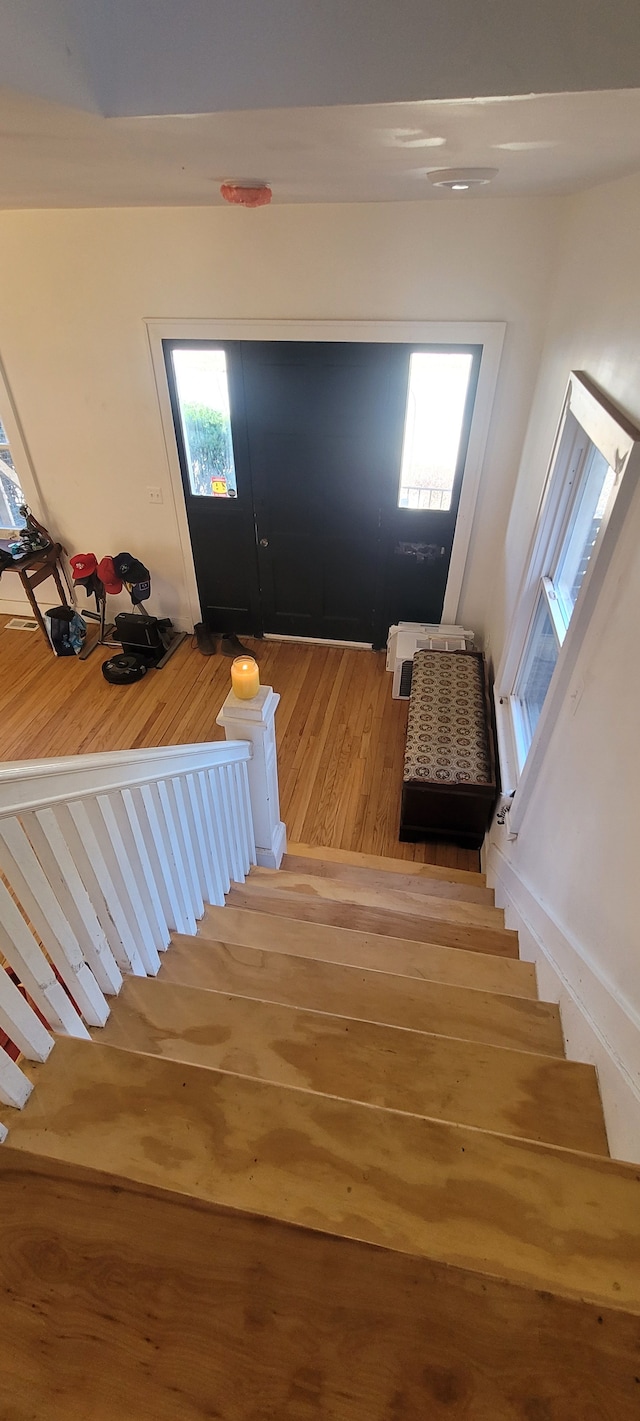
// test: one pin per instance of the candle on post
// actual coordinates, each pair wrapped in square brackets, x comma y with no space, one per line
[245,678]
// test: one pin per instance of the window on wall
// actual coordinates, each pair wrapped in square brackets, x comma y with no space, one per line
[590,460]
[11,495]
[436,401]
[203,397]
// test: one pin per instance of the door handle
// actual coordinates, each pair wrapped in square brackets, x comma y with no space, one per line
[264,542]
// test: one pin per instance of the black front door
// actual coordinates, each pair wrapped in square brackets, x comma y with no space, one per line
[318,420]
[297,462]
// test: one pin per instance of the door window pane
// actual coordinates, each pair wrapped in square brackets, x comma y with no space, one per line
[203,396]
[438,384]
[593,495]
[538,666]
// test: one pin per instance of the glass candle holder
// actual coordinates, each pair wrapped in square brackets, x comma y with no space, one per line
[245,678]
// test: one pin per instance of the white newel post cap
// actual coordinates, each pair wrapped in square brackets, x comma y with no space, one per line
[254,721]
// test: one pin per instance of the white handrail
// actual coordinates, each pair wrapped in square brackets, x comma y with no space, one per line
[72,776]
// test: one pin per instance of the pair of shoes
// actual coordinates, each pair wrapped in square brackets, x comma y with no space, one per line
[230,646]
[205,640]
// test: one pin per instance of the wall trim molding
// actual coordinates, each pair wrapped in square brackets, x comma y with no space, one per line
[489,334]
[600,1026]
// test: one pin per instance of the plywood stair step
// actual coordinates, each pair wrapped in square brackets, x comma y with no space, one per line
[513,1092]
[531,1214]
[385,880]
[417,1004]
[130,1300]
[248,927]
[429,919]
[420,871]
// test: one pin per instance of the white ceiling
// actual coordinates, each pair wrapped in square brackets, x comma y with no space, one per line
[52,156]
[136,57]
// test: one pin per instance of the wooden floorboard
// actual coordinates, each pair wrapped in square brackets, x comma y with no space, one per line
[340,735]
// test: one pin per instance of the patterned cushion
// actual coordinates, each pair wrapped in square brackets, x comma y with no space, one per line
[447,734]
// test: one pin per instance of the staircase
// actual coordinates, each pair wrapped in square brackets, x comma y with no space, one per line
[329,1161]
[325,1170]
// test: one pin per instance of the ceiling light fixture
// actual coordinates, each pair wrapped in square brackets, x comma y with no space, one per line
[461,179]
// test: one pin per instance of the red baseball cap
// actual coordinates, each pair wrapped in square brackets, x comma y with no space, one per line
[109,577]
[83,564]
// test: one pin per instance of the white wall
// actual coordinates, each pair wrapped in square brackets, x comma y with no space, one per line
[74,346]
[575,865]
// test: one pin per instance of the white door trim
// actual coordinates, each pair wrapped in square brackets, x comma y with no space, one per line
[489,334]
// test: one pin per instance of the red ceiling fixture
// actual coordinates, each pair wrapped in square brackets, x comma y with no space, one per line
[256,195]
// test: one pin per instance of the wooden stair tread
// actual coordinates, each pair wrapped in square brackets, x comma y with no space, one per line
[418,1005]
[514,1092]
[385,864]
[364,876]
[200,1310]
[248,928]
[313,885]
[528,1213]
[500,942]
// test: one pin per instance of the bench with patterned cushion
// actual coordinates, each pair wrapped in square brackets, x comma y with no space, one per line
[449,782]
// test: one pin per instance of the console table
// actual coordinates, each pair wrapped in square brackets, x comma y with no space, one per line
[34,569]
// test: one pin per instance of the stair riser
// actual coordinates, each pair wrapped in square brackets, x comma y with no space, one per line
[382,864]
[377,881]
[269,932]
[497,942]
[387,899]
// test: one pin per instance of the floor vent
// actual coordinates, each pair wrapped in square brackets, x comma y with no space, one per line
[22,624]
[406,679]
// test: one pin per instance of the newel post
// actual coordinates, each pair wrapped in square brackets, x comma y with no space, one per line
[254,720]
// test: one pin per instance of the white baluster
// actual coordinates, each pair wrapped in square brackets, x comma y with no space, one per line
[211,847]
[28,879]
[20,1022]
[189,848]
[198,836]
[164,869]
[46,831]
[149,885]
[15,1088]
[219,828]
[29,963]
[235,804]
[176,851]
[98,851]
[117,824]
[227,814]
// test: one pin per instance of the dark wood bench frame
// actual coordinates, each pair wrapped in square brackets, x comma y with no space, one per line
[459,813]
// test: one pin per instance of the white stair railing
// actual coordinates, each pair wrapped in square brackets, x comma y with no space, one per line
[101,857]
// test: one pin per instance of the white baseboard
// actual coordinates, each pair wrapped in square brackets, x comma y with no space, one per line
[21,607]
[320,641]
[599,1026]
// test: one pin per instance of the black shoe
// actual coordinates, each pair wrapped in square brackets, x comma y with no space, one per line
[206,640]
[230,646]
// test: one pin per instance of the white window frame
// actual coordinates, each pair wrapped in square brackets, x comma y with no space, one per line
[489,334]
[588,420]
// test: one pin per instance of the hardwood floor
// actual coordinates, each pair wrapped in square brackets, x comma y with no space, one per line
[340,735]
